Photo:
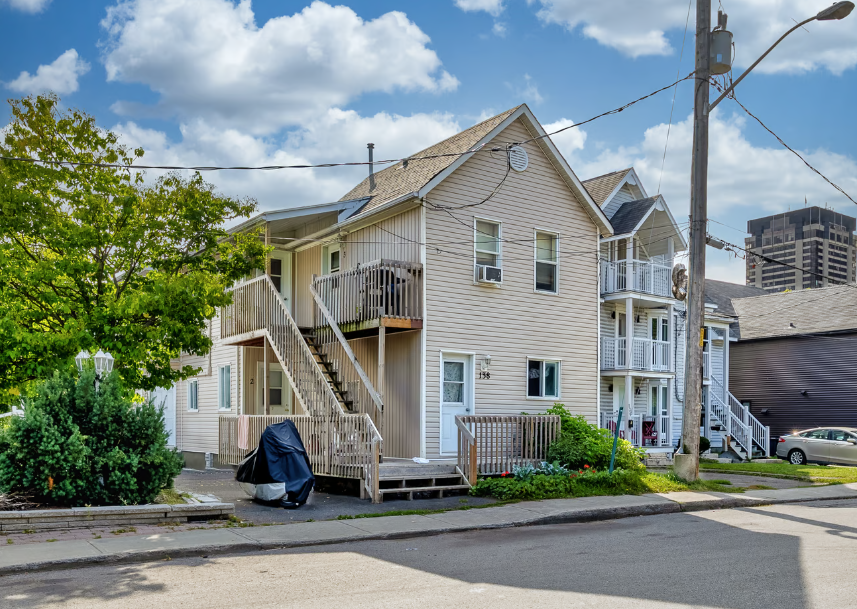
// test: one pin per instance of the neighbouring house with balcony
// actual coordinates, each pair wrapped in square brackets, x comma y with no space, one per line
[419,316]
[642,330]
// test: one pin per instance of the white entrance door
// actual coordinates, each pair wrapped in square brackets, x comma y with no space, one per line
[279,397]
[456,388]
[281,275]
[166,398]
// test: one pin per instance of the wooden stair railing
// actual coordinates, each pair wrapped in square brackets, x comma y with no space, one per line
[258,309]
[358,386]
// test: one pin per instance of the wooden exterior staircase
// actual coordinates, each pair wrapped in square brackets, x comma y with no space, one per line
[748,437]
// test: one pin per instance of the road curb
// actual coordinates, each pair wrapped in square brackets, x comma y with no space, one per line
[570,517]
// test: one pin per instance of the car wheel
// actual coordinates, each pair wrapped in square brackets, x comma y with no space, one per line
[796,457]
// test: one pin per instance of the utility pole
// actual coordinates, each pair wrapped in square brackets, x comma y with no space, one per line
[687,461]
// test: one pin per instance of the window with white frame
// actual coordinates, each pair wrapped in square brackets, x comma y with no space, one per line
[487,243]
[330,262]
[193,395]
[547,262]
[543,378]
[224,393]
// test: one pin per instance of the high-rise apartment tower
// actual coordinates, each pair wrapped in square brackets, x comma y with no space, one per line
[817,240]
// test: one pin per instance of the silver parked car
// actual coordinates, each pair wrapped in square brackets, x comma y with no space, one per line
[820,445]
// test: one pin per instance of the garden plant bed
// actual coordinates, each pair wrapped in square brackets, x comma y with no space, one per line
[90,517]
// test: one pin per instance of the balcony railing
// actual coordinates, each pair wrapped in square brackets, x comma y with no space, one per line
[381,289]
[636,276]
[643,431]
[646,354]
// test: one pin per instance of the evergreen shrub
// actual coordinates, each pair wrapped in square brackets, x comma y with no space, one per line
[76,446]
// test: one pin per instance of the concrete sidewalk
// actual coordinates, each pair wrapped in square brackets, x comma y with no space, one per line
[161,546]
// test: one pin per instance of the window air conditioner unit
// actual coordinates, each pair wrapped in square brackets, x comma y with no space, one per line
[488,274]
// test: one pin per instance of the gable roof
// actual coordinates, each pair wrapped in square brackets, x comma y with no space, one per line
[602,187]
[813,311]
[630,214]
[395,181]
[399,183]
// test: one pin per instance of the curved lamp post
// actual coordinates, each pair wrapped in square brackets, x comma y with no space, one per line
[687,463]
[835,12]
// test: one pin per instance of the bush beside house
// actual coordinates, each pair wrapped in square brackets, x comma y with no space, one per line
[76,446]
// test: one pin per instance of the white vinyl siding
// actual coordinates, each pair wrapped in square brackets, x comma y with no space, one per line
[547,262]
[513,323]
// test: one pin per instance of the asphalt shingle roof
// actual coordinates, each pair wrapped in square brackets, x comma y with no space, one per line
[629,215]
[793,313]
[395,181]
[721,293]
[600,187]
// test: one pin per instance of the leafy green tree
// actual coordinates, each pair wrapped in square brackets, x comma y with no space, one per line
[95,257]
[77,446]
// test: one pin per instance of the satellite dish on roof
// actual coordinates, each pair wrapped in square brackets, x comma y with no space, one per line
[680,281]
[518,158]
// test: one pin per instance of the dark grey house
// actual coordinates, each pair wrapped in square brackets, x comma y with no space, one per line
[795,358]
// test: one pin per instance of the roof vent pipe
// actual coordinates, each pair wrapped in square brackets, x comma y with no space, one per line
[371,148]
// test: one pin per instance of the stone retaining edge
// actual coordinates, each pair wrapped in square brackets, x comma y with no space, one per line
[87,518]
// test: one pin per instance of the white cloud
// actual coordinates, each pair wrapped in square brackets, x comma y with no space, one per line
[60,76]
[28,6]
[209,59]
[639,28]
[570,140]
[529,92]
[492,7]
[744,181]
[336,135]
[499,29]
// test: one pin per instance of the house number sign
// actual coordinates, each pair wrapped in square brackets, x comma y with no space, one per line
[484,374]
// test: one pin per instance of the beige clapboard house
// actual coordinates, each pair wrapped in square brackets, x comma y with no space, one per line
[419,316]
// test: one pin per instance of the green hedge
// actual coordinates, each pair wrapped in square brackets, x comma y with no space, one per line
[543,486]
[582,443]
[76,446]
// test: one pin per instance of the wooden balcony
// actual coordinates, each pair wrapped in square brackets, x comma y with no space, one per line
[386,293]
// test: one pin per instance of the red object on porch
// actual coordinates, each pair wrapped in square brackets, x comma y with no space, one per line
[611,425]
[649,432]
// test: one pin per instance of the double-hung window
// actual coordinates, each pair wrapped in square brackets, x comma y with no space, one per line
[224,393]
[547,262]
[330,262]
[487,243]
[542,378]
[193,395]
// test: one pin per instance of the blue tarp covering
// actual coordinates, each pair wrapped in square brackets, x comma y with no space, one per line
[280,458]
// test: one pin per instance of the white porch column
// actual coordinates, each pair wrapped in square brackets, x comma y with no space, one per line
[671,330]
[629,331]
[630,272]
[629,406]
[265,376]
[382,365]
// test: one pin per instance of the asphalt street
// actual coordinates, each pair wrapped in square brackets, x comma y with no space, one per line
[788,556]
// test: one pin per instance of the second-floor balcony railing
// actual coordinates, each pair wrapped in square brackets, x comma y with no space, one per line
[642,276]
[375,290]
[646,355]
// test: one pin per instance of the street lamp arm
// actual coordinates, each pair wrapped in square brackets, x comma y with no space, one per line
[755,63]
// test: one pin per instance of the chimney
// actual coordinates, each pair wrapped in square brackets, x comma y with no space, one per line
[371,148]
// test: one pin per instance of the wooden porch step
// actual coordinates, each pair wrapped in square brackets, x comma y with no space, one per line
[409,491]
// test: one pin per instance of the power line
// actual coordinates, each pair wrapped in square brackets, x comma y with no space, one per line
[786,146]
[675,90]
[770,260]
[328,165]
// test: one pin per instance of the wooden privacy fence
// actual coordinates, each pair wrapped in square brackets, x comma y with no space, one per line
[345,446]
[494,444]
[383,288]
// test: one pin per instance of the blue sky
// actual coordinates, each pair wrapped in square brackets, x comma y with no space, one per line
[222,82]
